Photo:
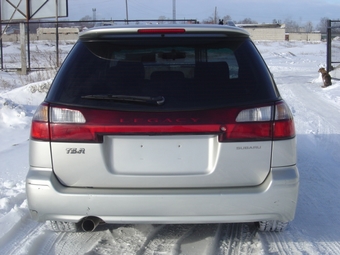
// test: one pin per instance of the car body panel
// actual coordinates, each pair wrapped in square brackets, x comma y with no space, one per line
[40,154]
[162,161]
[274,199]
[284,153]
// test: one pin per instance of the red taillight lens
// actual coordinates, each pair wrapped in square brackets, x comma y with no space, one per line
[39,131]
[246,131]
[283,126]
[40,125]
[284,129]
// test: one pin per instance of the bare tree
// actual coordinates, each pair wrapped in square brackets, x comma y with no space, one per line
[161,19]
[292,26]
[275,21]
[247,21]
[86,18]
[309,27]
[322,26]
[209,20]
[214,19]
[227,18]
[86,21]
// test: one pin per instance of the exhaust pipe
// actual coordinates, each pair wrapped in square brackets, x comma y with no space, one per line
[89,224]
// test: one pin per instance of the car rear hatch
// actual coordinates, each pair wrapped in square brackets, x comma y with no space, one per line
[162,108]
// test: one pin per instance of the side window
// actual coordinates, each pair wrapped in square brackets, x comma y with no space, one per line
[225,55]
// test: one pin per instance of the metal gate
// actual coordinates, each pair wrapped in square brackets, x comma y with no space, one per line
[333,43]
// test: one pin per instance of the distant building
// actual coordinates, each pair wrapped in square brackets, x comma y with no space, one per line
[277,32]
[272,32]
[313,36]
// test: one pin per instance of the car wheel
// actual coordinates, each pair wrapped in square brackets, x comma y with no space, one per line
[272,226]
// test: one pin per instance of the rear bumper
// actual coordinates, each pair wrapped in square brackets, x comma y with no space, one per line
[274,199]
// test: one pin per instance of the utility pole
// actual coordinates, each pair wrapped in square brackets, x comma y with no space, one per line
[174,11]
[28,17]
[127,12]
[94,15]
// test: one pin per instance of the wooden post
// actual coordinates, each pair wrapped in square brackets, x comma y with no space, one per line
[57,31]
[23,49]
[1,52]
[28,17]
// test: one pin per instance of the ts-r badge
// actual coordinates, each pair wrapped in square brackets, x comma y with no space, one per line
[75,151]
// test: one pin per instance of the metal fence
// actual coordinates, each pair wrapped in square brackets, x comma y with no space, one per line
[333,43]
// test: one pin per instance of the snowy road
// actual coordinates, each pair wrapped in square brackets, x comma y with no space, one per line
[315,230]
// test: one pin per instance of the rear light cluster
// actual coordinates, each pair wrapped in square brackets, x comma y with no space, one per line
[59,124]
[261,123]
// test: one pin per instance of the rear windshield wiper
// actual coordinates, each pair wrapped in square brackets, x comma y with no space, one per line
[157,100]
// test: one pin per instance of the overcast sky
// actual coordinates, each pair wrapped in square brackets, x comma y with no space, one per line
[262,11]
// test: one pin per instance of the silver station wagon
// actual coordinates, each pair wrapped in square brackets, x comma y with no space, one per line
[163,124]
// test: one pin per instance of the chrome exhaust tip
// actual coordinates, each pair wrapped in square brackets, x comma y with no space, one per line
[89,224]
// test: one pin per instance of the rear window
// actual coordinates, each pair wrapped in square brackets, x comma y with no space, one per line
[181,73]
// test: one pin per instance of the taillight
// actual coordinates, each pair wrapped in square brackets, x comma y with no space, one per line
[39,128]
[48,119]
[260,123]
[252,124]
[283,126]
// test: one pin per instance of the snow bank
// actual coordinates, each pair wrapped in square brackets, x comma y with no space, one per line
[18,105]
[335,73]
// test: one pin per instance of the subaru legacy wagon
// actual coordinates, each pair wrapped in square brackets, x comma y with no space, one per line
[163,124]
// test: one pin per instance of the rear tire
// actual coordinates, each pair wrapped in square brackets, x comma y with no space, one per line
[272,226]
[62,226]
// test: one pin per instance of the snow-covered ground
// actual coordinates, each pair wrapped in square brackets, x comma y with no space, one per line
[315,230]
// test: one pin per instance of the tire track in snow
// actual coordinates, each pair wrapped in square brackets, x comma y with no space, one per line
[277,243]
[239,238]
[115,239]
[203,239]
[43,244]
[21,235]
[168,240]
[328,247]
[77,243]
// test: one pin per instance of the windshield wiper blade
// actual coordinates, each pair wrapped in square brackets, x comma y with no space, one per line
[157,100]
